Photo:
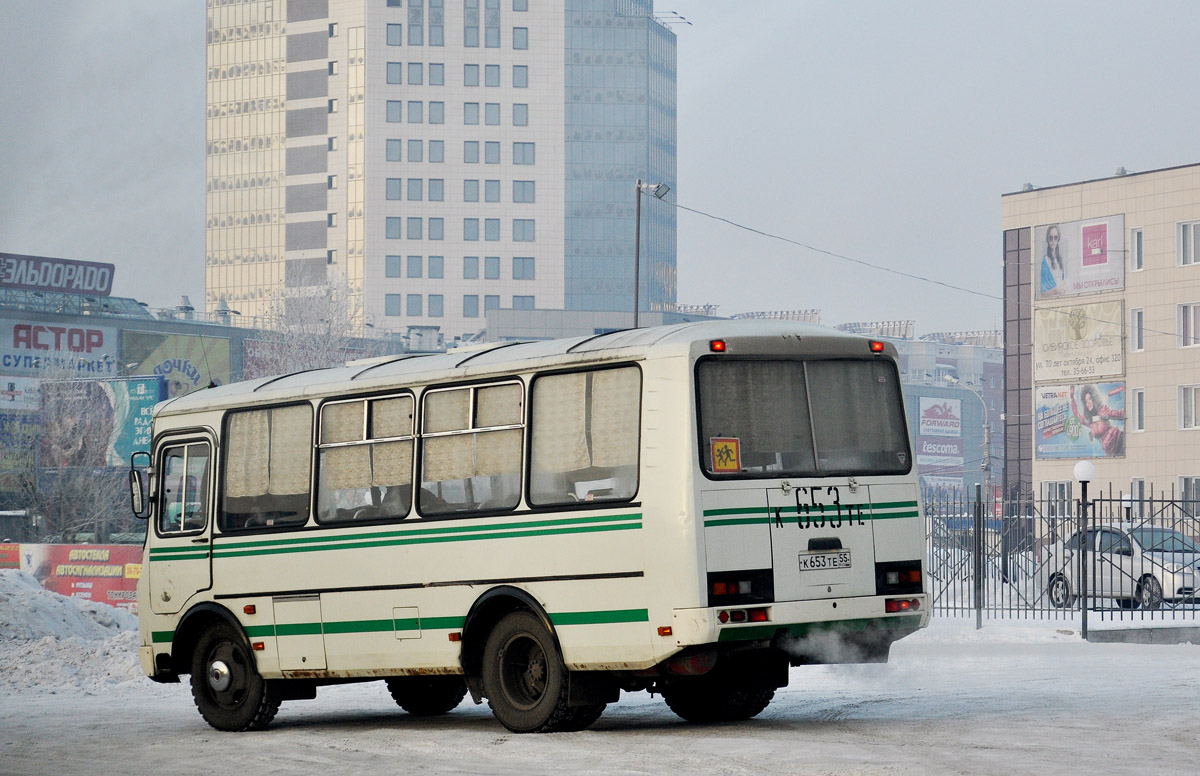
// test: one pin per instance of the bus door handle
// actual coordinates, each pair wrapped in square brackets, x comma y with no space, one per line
[201,540]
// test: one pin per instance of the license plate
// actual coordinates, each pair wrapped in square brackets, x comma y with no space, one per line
[820,561]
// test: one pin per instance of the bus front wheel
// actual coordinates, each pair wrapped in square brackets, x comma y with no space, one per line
[228,690]
[427,696]
[525,680]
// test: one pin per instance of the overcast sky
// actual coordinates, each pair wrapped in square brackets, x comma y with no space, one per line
[882,131]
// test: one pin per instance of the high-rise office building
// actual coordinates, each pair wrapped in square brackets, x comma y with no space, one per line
[426,161]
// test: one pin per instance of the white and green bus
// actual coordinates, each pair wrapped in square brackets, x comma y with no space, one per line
[687,510]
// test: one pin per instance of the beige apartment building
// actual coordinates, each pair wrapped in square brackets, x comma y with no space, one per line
[1102,334]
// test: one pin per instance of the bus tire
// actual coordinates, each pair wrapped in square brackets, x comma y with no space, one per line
[427,696]
[717,699]
[226,686]
[525,680]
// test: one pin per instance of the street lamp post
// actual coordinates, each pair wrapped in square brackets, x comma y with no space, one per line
[659,190]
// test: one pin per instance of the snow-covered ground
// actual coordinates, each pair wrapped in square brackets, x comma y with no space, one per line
[1011,698]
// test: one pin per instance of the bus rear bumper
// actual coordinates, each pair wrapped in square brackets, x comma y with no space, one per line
[819,631]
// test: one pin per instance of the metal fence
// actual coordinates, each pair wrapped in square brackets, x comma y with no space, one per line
[1112,558]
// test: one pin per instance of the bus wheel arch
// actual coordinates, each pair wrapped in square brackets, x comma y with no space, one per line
[192,627]
[484,615]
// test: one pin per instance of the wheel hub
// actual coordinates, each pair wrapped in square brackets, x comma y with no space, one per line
[218,676]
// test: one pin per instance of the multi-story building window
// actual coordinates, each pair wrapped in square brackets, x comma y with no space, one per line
[470,75]
[437,228]
[470,267]
[523,230]
[1189,489]
[470,113]
[435,305]
[392,304]
[471,190]
[416,22]
[394,189]
[491,191]
[491,114]
[520,77]
[1188,242]
[524,153]
[414,304]
[491,152]
[391,267]
[1137,332]
[437,152]
[416,150]
[523,191]
[521,302]
[491,267]
[1189,406]
[437,189]
[491,75]
[395,72]
[522,268]
[520,114]
[414,266]
[395,35]
[416,73]
[491,229]
[416,188]
[491,24]
[1137,258]
[491,302]
[437,23]
[437,112]
[395,111]
[392,227]
[1189,324]
[470,152]
[416,112]
[414,228]
[1137,409]
[436,267]
[471,229]
[471,23]
[520,38]
[437,74]
[470,305]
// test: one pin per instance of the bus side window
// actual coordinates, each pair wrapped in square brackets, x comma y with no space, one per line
[365,478]
[586,428]
[268,454]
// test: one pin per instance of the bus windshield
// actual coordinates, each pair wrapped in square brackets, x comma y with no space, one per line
[774,418]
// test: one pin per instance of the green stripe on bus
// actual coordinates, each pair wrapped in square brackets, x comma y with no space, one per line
[298,629]
[443,529]
[800,630]
[350,544]
[600,618]
[189,553]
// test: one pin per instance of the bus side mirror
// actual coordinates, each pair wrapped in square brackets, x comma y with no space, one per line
[137,486]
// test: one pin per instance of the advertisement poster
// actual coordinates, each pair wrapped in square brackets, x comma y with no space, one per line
[19,393]
[1080,421]
[187,363]
[1079,257]
[18,438]
[132,401]
[941,486]
[31,349]
[940,417]
[939,453]
[1078,343]
[104,573]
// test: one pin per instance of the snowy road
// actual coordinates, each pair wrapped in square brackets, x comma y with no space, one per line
[1008,699]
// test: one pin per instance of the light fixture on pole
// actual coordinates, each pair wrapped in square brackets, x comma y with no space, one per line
[659,190]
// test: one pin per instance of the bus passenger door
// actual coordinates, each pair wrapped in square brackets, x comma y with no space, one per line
[821,540]
[181,537]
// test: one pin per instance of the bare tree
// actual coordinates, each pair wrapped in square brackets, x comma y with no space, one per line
[310,331]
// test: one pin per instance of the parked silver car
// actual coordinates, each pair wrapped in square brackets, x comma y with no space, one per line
[1132,565]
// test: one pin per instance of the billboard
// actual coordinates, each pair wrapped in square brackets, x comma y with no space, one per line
[186,362]
[97,422]
[104,573]
[1079,257]
[1078,343]
[939,453]
[18,437]
[64,276]
[1079,421]
[940,417]
[32,348]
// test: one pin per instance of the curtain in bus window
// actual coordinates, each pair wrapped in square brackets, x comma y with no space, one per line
[344,468]
[246,469]
[448,457]
[291,450]
[391,463]
[615,411]
[764,406]
[447,410]
[498,452]
[559,424]
[857,419]
[342,422]
[498,406]
[391,417]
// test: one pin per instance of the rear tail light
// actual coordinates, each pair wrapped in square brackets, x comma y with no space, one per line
[758,614]
[898,577]
[734,588]
[897,605]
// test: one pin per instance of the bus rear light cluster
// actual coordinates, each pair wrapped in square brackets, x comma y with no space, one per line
[903,577]
[897,605]
[760,614]
[739,587]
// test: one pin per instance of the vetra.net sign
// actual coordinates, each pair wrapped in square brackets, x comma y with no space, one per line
[39,273]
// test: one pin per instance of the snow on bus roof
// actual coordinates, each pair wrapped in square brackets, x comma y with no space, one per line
[470,361]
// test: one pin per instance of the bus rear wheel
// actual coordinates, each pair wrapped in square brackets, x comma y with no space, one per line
[717,697]
[427,696]
[525,680]
[229,692]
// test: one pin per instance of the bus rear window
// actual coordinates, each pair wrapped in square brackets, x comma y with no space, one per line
[773,418]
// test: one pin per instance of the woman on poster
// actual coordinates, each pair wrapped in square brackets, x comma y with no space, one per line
[1098,417]
[1054,271]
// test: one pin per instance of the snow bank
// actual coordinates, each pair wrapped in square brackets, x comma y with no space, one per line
[57,643]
